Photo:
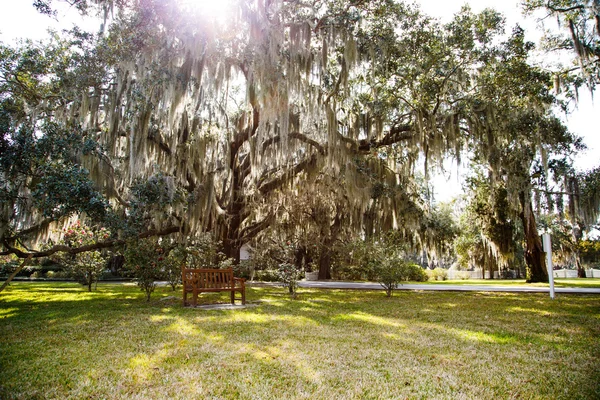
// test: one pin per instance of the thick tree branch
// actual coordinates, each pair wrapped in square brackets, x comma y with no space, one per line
[251,231]
[397,134]
[287,176]
[11,277]
[305,139]
[564,10]
[295,135]
[245,135]
[76,250]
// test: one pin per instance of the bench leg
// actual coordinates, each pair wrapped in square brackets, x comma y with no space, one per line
[233,297]
[195,297]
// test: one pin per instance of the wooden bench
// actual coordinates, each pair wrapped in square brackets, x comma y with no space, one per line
[200,280]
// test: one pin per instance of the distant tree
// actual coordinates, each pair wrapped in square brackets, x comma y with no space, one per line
[589,251]
[490,237]
[439,229]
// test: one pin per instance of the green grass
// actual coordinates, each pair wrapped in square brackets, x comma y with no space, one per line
[60,342]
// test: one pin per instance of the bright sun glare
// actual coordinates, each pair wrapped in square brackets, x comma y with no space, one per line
[219,9]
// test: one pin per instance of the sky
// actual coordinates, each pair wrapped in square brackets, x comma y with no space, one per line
[19,19]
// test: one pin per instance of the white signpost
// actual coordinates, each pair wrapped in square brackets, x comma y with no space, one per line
[547,244]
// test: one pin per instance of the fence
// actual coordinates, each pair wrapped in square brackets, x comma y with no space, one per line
[559,273]
[572,273]
[477,274]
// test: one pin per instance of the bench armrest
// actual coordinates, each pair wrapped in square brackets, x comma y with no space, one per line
[240,280]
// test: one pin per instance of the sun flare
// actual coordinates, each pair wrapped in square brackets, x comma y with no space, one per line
[217,9]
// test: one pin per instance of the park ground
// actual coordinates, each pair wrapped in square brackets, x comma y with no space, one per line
[59,341]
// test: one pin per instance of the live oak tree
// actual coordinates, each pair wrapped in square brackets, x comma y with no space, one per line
[524,134]
[228,118]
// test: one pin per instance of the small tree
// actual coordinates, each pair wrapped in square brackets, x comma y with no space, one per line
[384,262]
[171,266]
[390,272]
[143,258]
[86,268]
[289,275]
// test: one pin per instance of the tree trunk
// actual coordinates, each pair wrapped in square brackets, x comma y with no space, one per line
[115,264]
[19,268]
[534,254]
[492,266]
[325,264]
[580,268]
[231,248]
[577,236]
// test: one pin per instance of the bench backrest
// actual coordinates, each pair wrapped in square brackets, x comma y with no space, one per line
[208,278]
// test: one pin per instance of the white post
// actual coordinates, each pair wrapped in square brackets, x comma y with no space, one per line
[547,243]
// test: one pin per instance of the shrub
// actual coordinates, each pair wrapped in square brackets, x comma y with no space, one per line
[289,275]
[60,275]
[416,273]
[204,251]
[37,274]
[171,269]
[170,261]
[463,275]
[142,258]
[390,272]
[245,269]
[9,267]
[267,275]
[439,274]
[348,272]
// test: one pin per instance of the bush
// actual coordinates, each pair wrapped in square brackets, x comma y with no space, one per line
[204,251]
[245,269]
[290,275]
[416,273]
[267,275]
[439,274]
[37,274]
[171,269]
[85,267]
[390,272]
[142,258]
[9,267]
[463,275]
[348,272]
[60,274]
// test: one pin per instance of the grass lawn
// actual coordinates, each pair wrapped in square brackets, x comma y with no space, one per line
[58,341]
